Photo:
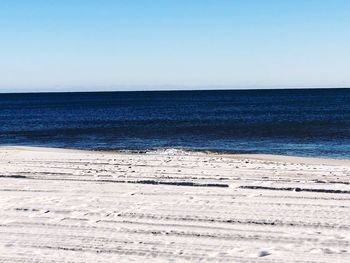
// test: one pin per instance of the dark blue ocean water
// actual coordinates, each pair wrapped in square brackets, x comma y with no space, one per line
[292,122]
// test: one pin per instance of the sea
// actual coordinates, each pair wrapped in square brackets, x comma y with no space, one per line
[296,122]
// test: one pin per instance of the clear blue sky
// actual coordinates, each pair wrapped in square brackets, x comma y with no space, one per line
[129,44]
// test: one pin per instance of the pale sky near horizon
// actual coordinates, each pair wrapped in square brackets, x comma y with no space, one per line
[68,45]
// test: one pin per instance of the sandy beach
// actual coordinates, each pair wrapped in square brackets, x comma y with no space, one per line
[61,205]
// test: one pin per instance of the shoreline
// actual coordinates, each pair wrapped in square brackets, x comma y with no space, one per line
[175,151]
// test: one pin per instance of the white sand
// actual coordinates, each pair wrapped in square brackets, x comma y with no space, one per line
[78,206]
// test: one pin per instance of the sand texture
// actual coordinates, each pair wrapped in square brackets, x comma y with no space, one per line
[78,206]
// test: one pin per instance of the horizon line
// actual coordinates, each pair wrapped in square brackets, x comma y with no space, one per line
[174,90]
